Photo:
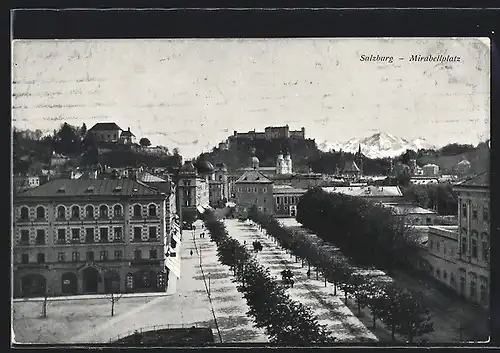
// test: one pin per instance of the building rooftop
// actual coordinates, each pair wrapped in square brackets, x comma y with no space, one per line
[365,191]
[86,187]
[147,177]
[480,180]
[409,209]
[255,177]
[126,134]
[104,127]
[288,190]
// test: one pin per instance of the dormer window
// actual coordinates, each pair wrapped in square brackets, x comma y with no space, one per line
[90,189]
[119,188]
[61,190]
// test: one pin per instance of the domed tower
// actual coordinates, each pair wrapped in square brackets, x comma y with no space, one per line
[279,164]
[255,163]
[221,175]
[204,168]
[288,164]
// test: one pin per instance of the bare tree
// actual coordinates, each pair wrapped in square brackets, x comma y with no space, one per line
[44,305]
[113,298]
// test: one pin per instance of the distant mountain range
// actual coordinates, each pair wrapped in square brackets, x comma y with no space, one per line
[379,145]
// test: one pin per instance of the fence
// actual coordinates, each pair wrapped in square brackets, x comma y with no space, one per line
[155,328]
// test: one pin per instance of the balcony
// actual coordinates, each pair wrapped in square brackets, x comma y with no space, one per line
[75,241]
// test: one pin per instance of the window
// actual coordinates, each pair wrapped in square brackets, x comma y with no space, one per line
[173,243]
[438,245]
[428,220]
[61,236]
[152,233]
[473,293]
[483,288]
[40,237]
[25,236]
[60,257]
[264,189]
[452,279]
[118,234]
[431,244]
[265,200]
[40,212]
[137,233]
[89,211]
[137,211]
[118,255]
[445,275]
[485,247]
[75,212]
[117,210]
[438,273]
[474,214]
[130,281]
[444,248]
[486,214]
[75,234]
[103,232]
[89,235]
[474,248]
[152,210]
[75,256]
[24,213]
[153,254]
[90,256]
[61,212]
[285,199]
[103,211]
[103,255]
[137,255]
[278,199]
[25,258]
[464,210]
[464,245]
[40,258]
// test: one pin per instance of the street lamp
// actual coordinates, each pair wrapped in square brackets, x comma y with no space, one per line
[209,284]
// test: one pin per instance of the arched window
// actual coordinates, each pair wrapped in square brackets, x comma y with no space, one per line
[61,212]
[40,212]
[89,211]
[103,211]
[152,210]
[75,212]
[25,212]
[117,210]
[137,211]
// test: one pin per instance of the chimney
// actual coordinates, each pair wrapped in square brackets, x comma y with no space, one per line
[129,129]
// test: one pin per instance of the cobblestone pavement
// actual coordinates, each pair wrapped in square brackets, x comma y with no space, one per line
[329,309]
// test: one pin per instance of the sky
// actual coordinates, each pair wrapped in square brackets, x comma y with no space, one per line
[192,94]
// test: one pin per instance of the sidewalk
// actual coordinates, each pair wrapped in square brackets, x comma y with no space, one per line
[90,296]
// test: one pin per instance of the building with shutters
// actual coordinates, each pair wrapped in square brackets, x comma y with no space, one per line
[253,189]
[91,236]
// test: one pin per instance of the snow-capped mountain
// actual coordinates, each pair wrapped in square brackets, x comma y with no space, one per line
[379,145]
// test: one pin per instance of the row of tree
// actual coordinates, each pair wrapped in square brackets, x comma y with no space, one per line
[285,321]
[400,310]
[366,232]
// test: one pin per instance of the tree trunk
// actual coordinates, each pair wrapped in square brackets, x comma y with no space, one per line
[410,333]
[374,320]
[112,305]
[44,308]
[309,265]
[325,282]
[345,297]
[335,289]
[302,263]
[317,274]
[296,259]
[393,331]
[359,306]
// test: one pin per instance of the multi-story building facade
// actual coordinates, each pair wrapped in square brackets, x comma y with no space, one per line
[441,256]
[474,238]
[23,183]
[194,188]
[286,199]
[90,236]
[253,189]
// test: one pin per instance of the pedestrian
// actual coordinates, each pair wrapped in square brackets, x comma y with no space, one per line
[191,252]
[308,273]
[244,242]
